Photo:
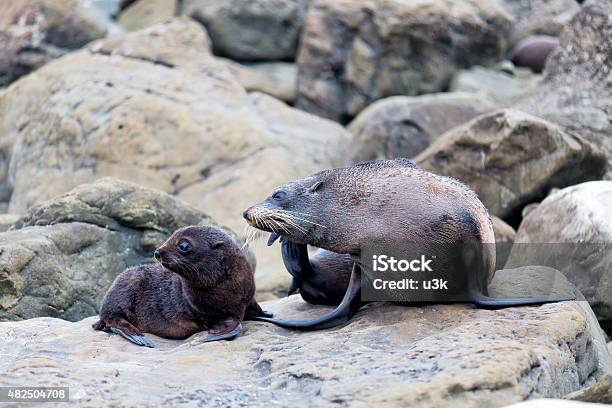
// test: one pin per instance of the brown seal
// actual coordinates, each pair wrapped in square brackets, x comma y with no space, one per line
[379,203]
[203,282]
[532,52]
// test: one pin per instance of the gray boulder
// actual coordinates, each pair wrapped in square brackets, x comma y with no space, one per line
[571,230]
[33,32]
[403,126]
[165,114]
[577,85]
[251,30]
[145,13]
[504,238]
[355,52]
[600,392]
[62,255]
[533,17]
[503,86]
[511,158]
[277,79]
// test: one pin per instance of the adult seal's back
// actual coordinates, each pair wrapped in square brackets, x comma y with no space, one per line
[379,203]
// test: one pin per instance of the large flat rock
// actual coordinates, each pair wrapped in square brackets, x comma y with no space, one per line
[392,355]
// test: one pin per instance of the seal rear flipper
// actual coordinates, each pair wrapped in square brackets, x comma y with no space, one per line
[487,302]
[225,330]
[137,339]
[350,304]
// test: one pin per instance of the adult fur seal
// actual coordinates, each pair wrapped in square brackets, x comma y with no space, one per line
[376,203]
[203,281]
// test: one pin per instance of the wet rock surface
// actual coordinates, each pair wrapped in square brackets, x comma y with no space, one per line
[392,355]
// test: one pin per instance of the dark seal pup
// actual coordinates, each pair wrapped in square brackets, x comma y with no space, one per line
[202,282]
[384,203]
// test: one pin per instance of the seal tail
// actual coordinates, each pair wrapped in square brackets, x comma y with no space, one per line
[342,314]
[487,302]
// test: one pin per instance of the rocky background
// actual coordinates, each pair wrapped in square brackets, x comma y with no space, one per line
[122,120]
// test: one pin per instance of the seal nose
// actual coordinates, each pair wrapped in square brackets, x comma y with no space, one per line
[245,214]
[157,254]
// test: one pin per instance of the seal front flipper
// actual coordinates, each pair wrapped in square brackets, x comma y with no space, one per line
[224,330]
[350,304]
[487,302]
[295,258]
[273,237]
[126,330]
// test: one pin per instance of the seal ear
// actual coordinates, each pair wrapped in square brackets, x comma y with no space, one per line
[217,244]
[315,186]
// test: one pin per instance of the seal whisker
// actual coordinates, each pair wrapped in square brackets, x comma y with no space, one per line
[264,221]
[251,234]
[281,226]
[296,226]
[287,218]
[308,221]
[295,212]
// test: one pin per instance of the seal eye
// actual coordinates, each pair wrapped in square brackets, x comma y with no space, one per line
[184,246]
[279,196]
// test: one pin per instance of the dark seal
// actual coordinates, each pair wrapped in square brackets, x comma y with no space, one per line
[375,203]
[203,282]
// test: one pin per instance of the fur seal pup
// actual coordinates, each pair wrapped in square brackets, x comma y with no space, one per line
[382,202]
[203,282]
[532,51]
